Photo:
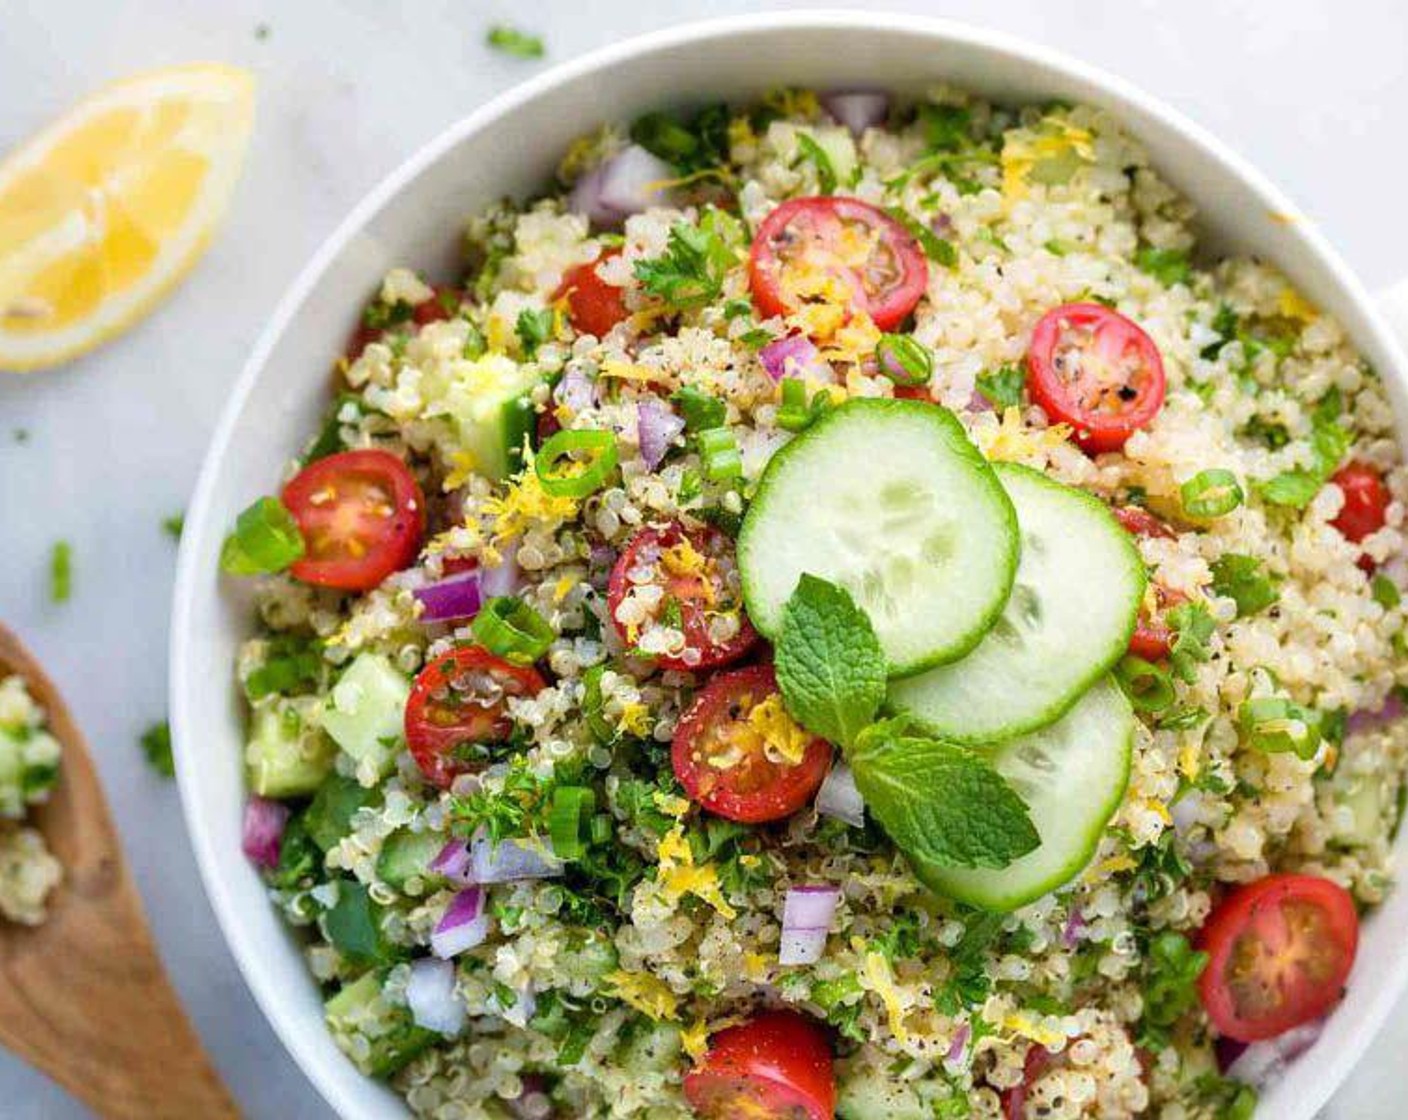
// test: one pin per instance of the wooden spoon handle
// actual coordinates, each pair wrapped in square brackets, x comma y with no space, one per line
[84,997]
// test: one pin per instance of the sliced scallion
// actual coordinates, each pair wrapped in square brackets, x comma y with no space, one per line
[509,628]
[563,475]
[1211,493]
[904,360]
[719,450]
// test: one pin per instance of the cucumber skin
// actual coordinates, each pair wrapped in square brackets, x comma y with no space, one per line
[957,437]
[999,902]
[1049,715]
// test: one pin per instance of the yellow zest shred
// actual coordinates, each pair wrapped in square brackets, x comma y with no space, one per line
[1013,441]
[1159,809]
[670,804]
[782,736]
[881,981]
[1107,867]
[635,719]
[629,371]
[853,341]
[1024,1025]
[462,465]
[695,1039]
[683,559]
[740,131]
[647,994]
[678,875]
[755,967]
[524,504]
[1189,760]
[1293,305]
[563,587]
[1022,150]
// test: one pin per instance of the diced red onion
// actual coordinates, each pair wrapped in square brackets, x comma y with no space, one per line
[586,199]
[794,356]
[657,427]
[453,863]
[959,1043]
[508,861]
[263,832]
[1074,929]
[807,913]
[1366,721]
[430,994]
[456,596]
[532,1102]
[503,579]
[632,181]
[464,925]
[941,224]
[839,798]
[1262,1062]
[979,403]
[576,391]
[1226,1051]
[857,109]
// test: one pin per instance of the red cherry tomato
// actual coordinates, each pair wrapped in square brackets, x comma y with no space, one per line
[1138,522]
[698,575]
[1014,1100]
[593,305]
[362,517]
[1279,951]
[1153,638]
[458,709]
[431,310]
[806,242]
[776,1066]
[912,393]
[1097,371]
[1366,501]
[723,761]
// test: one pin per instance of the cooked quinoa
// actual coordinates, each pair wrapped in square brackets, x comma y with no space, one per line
[595,991]
[29,769]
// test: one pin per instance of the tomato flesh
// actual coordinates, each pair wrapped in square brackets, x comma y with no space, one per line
[458,709]
[684,580]
[1014,1100]
[776,1066]
[1366,500]
[727,756]
[1094,369]
[1279,952]
[362,517]
[834,250]
[1138,522]
[593,305]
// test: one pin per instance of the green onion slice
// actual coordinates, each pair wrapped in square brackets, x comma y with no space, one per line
[719,450]
[266,539]
[1275,725]
[1148,686]
[509,628]
[904,360]
[569,817]
[563,475]
[1211,493]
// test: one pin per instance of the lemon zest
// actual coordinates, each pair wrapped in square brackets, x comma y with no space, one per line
[881,981]
[678,876]
[462,464]
[779,731]
[1012,441]
[1293,305]
[647,994]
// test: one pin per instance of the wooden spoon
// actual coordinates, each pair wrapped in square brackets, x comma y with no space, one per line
[84,997]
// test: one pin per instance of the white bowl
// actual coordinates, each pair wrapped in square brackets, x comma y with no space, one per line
[511,146]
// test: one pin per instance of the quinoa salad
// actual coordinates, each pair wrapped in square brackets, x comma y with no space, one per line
[29,771]
[841,609]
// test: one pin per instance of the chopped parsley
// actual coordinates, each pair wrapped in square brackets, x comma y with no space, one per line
[156,745]
[1240,578]
[1385,592]
[691,272]
[61,572]
[935,247]
[817,156]
[510,40]
[1167,266]
[694,144]
[1193,626]
[1003,387]
[1329,443]
[533,328]
[1172,967]
[173,525]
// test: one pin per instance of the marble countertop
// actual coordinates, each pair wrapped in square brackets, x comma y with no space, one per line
[346,91]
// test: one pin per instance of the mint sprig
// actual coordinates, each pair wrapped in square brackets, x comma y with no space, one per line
[942,805]
[829,663]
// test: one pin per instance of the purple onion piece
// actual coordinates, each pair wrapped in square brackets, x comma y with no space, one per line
[503,579]
[657,427]
[794,355]
[839,797]
[586,199]
[1074,930]
[532,1102]
[807,914]
[1392,710]
[959,1043]
[509,860]
[632,181]
[576,391]
[456,596]
[464,925]
[857,109]
[453,863]
[263,831]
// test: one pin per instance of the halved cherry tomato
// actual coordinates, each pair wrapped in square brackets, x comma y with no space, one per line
[593,305]
[912,393]
[807,246]
[1366,500]
[1279,951]
[1097,371]
[722,758]
[698,575]
[458,708]
[1139,522]
[362,516]
[1153,638]
[776,1066]
[431,310]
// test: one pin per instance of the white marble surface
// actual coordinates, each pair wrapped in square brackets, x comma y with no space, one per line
[1312,90]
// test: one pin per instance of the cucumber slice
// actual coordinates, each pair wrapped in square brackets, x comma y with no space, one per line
[487,402]
[888,499]
[1073,608]
[406,855]
[366,712]
[1072,776]
[287,755]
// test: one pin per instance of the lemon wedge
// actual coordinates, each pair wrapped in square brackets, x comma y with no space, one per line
[106,209]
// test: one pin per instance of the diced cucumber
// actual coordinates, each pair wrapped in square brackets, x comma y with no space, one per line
[486,402]
[1080,582]
[889,499]
[866,1091]
[1366,797]
[406,855]
[377,1035]
[1072,776]
[287,755]
[365,714]
[840,150]
[652,1047]
[329,817]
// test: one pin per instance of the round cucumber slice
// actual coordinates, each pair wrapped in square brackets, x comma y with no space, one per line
[888,499]
[1073,608]
[1072,776]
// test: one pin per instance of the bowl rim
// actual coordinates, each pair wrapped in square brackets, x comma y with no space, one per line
[213,864]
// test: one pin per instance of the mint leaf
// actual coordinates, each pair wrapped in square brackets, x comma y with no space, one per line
[829,662]
[942,805]
[1003,387]
[266,539]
